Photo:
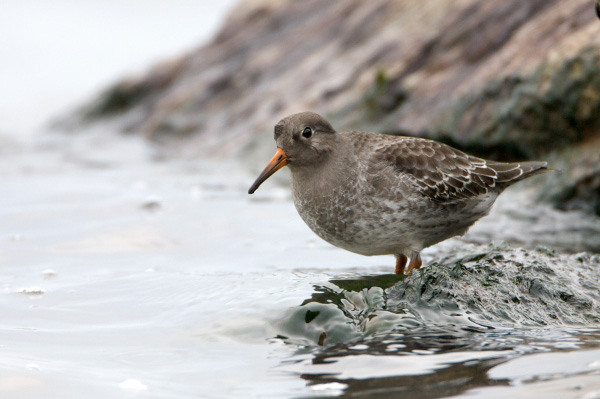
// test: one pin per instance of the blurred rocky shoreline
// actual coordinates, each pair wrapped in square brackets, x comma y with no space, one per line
[507,80]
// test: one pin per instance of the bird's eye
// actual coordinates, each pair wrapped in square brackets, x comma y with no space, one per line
[307,132]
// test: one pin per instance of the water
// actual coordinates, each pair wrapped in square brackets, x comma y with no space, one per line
[128,275]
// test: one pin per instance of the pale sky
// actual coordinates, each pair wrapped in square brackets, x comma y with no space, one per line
[56,54]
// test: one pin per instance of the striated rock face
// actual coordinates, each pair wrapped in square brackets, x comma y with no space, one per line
[397,65]
[577,186]
[506,80]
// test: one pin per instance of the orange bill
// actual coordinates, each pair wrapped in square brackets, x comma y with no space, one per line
[279,161]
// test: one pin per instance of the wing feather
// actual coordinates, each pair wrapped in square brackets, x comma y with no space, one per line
[443,173]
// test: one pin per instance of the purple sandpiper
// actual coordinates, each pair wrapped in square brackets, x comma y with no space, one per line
[378,194]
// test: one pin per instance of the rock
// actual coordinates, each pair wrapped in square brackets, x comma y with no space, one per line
[527,116]
[474,288]
[501,285]
[577,185]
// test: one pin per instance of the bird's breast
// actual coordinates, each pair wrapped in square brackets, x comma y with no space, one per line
[329,210]
[349,216]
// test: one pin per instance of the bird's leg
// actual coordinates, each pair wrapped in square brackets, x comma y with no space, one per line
[401,260]
[415,262]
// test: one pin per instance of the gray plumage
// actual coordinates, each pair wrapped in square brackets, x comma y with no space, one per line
[377,194]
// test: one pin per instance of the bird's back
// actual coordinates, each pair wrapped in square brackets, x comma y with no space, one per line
[438,171]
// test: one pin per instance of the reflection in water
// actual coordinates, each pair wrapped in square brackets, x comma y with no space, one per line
[452,380]
[358,339]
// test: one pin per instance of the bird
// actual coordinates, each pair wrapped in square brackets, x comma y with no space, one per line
[381,194]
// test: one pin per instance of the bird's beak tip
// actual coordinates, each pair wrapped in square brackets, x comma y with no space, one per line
[279,161]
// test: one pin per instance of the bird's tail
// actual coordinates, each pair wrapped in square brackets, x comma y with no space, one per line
[509,173]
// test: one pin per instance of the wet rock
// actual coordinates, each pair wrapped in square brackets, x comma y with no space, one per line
[527,116]
[479,288]
[502,285]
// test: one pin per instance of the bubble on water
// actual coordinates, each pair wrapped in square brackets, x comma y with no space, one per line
[49,273]
[359,347]
[595,364]
[31,290]
[152,203]
[330,389]
[423,351]
[133,385]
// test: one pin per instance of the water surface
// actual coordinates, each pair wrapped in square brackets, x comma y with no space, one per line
[125,274]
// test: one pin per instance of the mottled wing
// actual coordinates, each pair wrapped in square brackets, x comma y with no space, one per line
[444,173]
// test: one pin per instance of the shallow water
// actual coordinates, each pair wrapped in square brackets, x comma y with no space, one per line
[127,275]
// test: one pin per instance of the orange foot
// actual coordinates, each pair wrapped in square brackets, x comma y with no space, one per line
[415,262]
[401,260]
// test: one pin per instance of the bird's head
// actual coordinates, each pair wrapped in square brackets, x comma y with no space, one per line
[304,140]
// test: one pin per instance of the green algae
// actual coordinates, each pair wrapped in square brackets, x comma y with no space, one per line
[118,99]
[384,96]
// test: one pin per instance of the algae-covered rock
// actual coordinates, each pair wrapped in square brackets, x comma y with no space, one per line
[526,116]
[481,288]
[501,285]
